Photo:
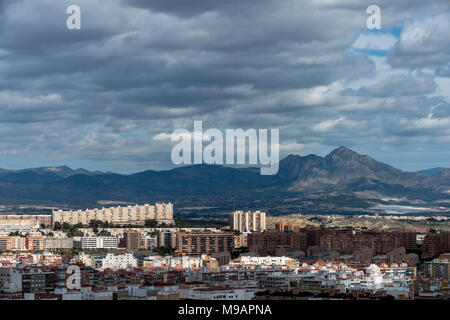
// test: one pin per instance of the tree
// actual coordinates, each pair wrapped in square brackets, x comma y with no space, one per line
[151,223]
[104,233]
[163,251]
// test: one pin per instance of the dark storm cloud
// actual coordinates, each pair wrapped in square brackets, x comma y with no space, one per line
[40,27]
[195,7]
[398,85]
[199,73]
[113,91]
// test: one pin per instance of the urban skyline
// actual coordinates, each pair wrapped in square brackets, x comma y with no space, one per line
[175,263]
[222,158]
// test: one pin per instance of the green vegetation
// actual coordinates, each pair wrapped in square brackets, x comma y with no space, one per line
[104,233]
[163,251]
[16,234]
[179,223]
[70,230]
[199,223]
[151,223]
[99,224]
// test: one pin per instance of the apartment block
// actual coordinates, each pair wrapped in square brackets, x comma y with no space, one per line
[161,212]
[12,243]
[167,238]
[58,243]
[274,242]
[38,281]
[435,244]
[439,268]
[283,226]
[10,280]
[23,222]
[379,242]
[407,239]
[95,242]
[250,221]
[149,242]
[240,241]
[116,262]
[35,243]
[132,240]
[195,243]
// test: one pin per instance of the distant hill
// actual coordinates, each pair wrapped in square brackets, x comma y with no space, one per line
[432,171]
[344,178]
[340,167]
[42,174]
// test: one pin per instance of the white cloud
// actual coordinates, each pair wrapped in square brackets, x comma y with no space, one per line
[327,125]
[375,41]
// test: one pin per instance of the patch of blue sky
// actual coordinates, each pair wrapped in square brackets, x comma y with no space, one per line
[377,42]
[372,52]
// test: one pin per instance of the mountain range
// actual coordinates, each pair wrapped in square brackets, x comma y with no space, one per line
[342,180]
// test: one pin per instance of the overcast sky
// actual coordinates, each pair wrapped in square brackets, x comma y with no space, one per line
[108,96]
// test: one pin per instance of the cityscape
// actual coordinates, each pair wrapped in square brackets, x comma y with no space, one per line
[138,253]
[224,158]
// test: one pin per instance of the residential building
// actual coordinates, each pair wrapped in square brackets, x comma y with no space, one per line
[177,262]
[23,222]
[167,237]
[250,221]
[161,212]
[35,243]
[116,262]
[240,241]
[439,268]
[15,243]
[435,243]
[407,239]
[208,242]
[51,243]
[95,242]
[275,243]
[132,240]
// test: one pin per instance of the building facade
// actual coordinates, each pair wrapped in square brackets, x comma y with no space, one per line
[35,243]
[435,243]
[132,240]
[250,221]
[51,243]
[275,242]
[161,212]
[95,242]
[196,243]
[8,243]
[23,222]
[439,268]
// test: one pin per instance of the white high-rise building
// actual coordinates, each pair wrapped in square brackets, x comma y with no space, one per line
[95,242]
[249,221]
